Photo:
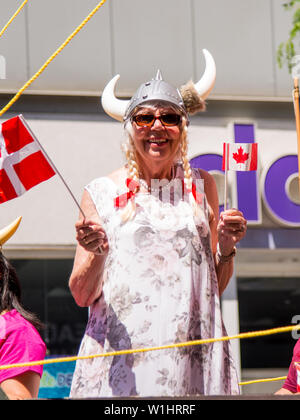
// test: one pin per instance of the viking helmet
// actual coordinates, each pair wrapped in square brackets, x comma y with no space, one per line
[189,98]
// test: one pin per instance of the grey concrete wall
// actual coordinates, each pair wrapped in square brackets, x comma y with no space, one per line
[135,37]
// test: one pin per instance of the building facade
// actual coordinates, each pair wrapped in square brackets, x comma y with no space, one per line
[251,101]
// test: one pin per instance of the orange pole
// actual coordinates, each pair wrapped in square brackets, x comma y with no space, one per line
[297,117]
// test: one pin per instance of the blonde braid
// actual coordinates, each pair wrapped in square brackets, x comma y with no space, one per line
[133,169]
[133,173]
[188,179]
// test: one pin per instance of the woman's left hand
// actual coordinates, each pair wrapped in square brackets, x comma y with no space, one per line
[231,229]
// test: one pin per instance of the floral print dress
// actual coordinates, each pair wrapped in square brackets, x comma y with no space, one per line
[160,288]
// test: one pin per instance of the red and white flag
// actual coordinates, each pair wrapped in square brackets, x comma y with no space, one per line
[23,163]
[239,156]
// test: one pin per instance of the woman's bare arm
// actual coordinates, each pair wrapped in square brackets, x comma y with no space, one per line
[283,391]
[22,387]
[86,278]
[225,230]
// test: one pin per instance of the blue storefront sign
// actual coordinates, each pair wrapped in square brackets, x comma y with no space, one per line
[56,380]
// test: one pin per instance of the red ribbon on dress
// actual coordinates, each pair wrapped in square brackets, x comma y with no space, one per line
[123,199]
[134,187]
[197,196]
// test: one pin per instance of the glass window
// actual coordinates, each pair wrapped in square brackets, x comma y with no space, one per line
[266,303]
[45,292]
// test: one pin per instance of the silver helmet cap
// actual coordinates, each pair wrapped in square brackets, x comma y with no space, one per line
[155,90]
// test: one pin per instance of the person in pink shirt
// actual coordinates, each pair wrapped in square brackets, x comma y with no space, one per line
[20,341]
[292,382]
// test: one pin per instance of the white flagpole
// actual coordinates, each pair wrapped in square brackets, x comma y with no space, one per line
[226,172]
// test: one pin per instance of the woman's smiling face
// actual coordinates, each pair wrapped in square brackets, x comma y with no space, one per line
[157,142]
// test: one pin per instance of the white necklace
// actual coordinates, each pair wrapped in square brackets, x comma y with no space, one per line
[152,189]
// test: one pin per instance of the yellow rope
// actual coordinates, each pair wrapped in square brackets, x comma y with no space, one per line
[63,45]
[169,346]
[257,381]
[13,17]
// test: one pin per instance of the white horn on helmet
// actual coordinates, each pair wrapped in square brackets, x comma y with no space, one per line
[194,94]
[113,106]
[207,81]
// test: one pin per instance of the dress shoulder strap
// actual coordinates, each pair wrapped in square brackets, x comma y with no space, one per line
[102,191]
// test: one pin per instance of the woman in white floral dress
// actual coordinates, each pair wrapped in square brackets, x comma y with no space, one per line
[151,263]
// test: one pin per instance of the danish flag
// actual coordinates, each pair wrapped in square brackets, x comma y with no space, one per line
[240,156]
[23,163]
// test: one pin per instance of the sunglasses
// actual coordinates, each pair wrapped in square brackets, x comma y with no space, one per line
[147,120]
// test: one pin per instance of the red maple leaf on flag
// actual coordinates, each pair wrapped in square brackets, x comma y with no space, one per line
[240,157]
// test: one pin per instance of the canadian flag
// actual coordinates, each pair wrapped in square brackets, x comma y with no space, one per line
[240,156]
[23,164]
[297,365]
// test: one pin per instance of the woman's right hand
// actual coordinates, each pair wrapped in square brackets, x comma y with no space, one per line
[92,237]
